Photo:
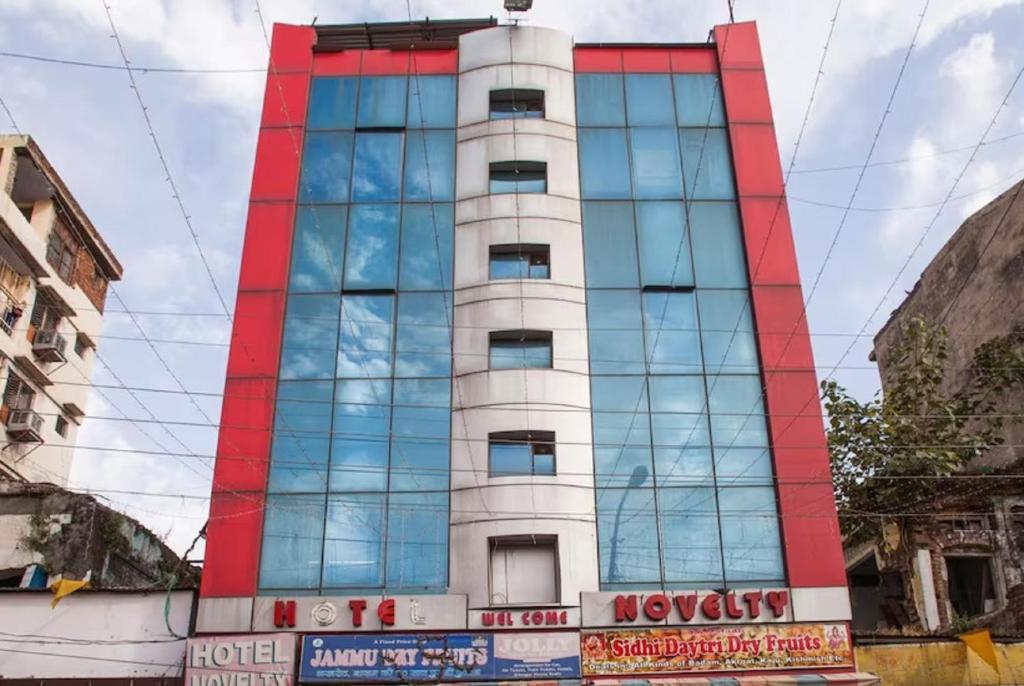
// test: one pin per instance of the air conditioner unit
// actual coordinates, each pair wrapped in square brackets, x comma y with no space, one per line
[25,426]
[49,346]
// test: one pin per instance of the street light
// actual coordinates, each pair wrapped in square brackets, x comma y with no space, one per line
[636,480]
[518,5]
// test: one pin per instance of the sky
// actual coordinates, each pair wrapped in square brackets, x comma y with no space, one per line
[856,264]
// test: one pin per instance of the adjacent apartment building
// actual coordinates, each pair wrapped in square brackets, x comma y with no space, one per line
[54,271]
[520,385]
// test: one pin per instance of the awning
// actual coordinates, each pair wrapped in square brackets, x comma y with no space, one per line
[832,679]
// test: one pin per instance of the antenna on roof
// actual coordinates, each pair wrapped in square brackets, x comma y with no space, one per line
[517,6]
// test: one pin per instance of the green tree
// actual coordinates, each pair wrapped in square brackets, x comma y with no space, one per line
[886,452]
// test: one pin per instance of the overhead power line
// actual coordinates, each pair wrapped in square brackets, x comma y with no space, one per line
[134,68]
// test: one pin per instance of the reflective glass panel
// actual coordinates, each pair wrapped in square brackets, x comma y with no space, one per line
[417,537]
[359,445]
[293,538]
[332,102]
[377,170]
[424,339]
[698,100]
[679,412]
[352,541]
[664,246]
[717,245]
[310,331]
[737,413]
[326,165]
[727,331]
[371,260]
[609,243]
[420,423]
[628,535]
[649,100]
[430,165]
[302,431]
[604,163]
[510,459]
[706,164]
[656,172]
[425,228]
[509,354]
[382,101]
[599,100]
[670,326]
[689,531]
[616,334]
[364,346]
[750,534]
[431,102]
[318,248]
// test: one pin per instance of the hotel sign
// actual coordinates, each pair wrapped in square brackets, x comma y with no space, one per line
[686,607]
[716,649]
[256,660]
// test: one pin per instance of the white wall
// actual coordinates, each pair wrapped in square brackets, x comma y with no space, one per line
[508,400]
[102,617]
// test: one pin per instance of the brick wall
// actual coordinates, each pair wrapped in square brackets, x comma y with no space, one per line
[90,279]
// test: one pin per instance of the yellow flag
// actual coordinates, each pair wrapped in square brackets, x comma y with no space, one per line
[980,642]
[63,587]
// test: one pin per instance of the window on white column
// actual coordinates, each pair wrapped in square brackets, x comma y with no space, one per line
[524,570]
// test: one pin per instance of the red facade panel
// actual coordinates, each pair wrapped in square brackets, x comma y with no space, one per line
[243,445]
[810,528]
[276,174]
[340,63]
[285,98]
[265,253]
[771,257]
[645,60]
[385,62]
[231,560]
[598,59]
[693,60]
[256,335]
[435,62]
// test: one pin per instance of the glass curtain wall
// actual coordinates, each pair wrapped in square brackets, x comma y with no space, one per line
[358,486]
[685,495]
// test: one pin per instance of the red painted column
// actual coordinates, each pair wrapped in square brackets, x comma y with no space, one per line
[238,496]
[810,528]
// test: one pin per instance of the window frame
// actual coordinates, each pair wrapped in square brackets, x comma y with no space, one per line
[521,336]
[60,425]
[536,255]
[508,543]
[538,443]
[513,171]
[532,98]
[61,251]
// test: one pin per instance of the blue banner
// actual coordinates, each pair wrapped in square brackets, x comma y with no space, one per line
[439,657]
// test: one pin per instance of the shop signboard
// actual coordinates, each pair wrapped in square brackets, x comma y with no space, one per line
[253,660]
[716,649]
[389,658]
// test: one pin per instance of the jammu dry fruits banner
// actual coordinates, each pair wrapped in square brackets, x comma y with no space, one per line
[716,648]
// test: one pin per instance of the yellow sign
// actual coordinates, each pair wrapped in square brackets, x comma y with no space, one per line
[716,648]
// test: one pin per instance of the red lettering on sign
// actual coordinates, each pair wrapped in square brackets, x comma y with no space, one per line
[284,613]
[487,619]
[386,612]
[687,605]
[777,600]
[657,606]
[753,600]
[711,606]
[357,607]
[731,608]
[625,608]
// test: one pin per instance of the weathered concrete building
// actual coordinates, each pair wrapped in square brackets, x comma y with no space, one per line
[964,567]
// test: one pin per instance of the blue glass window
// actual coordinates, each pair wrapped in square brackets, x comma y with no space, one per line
[649,100]
[417,540]
[517,103]
[519,262]
[332,103]
[302,428]
[430,165]
[431,102]
[707,166]
[656,172]
[616,334]
[326,165]
[689,531]
[310,331]
[743,466]
[717,245]
[679,414]
[425,228]
[423,340]
[750,534]
[600,100]
[670,330]
[420,429]
[628,534]
[317,249]
[604,164]
[292,542]
[518,177]
[521,453]
[698,100]
[352,541]
[727,332]
[359,445]
[737,414]
[622,437]
[377,170]
[371,260]
[609,242]
[382,101]
[520,349]
[364,346]
[664,246]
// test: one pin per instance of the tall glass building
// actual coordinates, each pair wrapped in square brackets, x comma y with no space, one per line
[520,359]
